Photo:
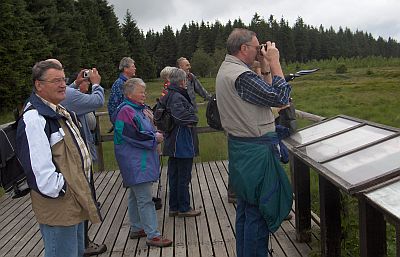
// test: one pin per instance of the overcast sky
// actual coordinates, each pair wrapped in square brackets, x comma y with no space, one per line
[378,17]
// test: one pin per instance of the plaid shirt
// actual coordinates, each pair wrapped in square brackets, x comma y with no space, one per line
[253,89]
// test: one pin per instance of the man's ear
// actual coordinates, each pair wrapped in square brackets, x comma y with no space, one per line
[38,86]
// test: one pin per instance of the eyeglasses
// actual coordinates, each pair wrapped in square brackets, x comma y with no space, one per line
[258,47]
[59,81]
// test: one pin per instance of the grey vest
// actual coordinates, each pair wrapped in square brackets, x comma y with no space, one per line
[238,117]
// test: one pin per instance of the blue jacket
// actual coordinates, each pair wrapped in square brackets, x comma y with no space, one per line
[182,141]
[82,104]
[135,144]
[116,95]
[53,164]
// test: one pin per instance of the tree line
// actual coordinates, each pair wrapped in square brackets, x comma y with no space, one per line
[86,33]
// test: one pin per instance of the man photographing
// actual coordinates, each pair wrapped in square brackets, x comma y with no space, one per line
[244,101]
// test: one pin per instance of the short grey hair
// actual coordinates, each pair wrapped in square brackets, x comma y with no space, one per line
[177,75]
[180,59]
[125,62]
[131,84]
[237,38]
[40,69]
[164,74]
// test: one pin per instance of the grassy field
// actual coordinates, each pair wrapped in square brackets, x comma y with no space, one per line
[370,90]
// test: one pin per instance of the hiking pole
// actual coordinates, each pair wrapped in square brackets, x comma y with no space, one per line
[299,73]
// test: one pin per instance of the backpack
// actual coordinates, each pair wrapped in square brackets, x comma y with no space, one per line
[212,114]
[162,117]
[287,118]
[12,175]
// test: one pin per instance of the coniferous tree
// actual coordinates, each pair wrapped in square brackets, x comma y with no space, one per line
[135,38]
[206,41]
[184,42]
[286,46]
[166,49]
[194,33]
[22,44]
[315,44]
[118,47]
[220,40]
[301,40]
[202,63]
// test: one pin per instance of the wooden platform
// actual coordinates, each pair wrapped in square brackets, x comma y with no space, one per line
[211,234]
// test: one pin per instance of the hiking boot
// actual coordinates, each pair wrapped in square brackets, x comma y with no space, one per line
[137,234]
[94,249]
[159,241]
[157,203]
[173,213]
[189,213]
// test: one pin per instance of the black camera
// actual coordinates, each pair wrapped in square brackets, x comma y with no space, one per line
[261,47]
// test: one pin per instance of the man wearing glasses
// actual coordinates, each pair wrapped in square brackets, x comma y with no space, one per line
[57,163]
[244,102]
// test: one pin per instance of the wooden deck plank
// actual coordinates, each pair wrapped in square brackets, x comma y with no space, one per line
[110,219]
[26,224]
[15,221]
[203,234]
[216,236]
[222,216]
[119,207]
[34,247]
[105,199]
[192,233]
[210,234]
[166,223]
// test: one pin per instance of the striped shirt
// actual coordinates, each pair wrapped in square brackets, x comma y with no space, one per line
[253,89]
[87,161]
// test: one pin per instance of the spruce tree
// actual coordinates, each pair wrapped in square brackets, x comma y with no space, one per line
[135,38]
[22,44]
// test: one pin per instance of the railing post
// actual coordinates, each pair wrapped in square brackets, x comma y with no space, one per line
[330,207]
[397,240]
[99,145]
[300,173]
[372,227]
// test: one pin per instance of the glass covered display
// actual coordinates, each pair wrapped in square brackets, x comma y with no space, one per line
[352,153]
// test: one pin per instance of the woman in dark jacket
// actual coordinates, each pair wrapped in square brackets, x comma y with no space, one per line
[180,145]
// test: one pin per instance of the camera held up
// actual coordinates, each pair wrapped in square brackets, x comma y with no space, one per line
[86,74]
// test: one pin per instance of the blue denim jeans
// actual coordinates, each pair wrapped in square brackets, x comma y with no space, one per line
[142,212]
[60,241]
[179,176]
[251,231]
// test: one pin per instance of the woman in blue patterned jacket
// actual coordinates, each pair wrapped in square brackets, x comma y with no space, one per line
[135,146]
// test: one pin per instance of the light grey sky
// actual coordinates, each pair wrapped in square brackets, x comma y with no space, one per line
[378,17]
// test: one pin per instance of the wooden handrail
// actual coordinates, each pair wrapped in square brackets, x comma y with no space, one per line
[101,138]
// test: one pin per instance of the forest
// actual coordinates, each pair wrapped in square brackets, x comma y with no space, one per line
[87,33]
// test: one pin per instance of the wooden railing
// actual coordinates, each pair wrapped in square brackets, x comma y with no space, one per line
[102,138]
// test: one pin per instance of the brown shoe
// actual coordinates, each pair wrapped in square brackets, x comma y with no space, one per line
[137,234]
[189,213]
[159,241]
[94,249]
[173,213]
